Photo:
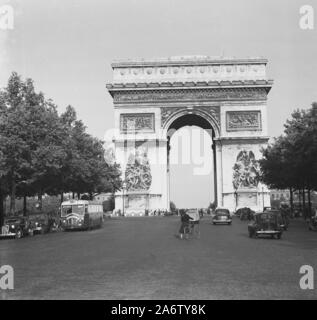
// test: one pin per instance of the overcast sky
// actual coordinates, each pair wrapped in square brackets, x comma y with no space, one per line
[67,46]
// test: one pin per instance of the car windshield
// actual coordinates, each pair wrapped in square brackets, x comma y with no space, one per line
[76,208]
[222,212]
[13,220]
[266,217]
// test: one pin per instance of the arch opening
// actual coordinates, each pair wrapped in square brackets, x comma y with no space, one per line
[197,136]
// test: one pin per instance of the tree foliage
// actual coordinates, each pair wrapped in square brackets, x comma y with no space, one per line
[44,152]
[291,160]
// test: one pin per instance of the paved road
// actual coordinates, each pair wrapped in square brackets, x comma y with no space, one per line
[140,258]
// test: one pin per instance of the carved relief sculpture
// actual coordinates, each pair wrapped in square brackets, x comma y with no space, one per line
[134,122]
[246,171]
[138,172]
[214,94]
[243,120]
[168,112]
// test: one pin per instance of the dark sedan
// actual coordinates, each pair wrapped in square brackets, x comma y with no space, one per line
[282,218]
[222,216]
[265,224]
[16,227]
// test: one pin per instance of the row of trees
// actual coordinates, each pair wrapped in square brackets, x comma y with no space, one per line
[44,152]
[290,162]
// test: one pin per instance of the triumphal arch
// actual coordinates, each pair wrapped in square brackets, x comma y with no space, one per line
[153,98]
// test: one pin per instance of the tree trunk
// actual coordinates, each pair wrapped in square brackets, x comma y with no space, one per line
[73,195]
[1,209]
[300,200]
[90,195]
[24,206]
[304,209]
[309,204]
[12,198]
[40,200]
[62,196]
[291,200]
[78,195]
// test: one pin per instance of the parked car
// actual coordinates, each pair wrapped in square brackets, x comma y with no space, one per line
[16,227]
[266,224]
[282,218]
[222,216]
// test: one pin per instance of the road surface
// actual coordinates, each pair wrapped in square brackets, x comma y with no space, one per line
[140,258]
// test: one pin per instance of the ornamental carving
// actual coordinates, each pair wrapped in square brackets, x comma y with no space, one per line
[243,120]
[214,94]
[133,122]
[246,171]
[168,112]
[138,172]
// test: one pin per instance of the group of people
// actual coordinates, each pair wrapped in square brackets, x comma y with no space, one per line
[189,224]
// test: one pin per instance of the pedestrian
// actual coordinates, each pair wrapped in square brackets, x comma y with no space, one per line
[184,228]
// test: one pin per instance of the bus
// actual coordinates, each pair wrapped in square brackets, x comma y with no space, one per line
[81,215]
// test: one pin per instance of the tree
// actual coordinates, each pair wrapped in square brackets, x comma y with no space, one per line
[290,162]
[172,206]
[85,169]
[42,152]
[30,138]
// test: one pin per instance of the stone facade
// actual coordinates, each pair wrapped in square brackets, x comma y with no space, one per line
[150,95]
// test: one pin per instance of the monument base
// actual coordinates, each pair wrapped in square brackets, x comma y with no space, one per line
[138,203]
[254,199]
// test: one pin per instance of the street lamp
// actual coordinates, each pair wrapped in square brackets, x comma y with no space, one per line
[124,187]
[263,197]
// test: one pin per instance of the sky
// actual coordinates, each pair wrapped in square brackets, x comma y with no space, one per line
[67,46]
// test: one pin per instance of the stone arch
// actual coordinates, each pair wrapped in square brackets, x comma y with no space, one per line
[205,121]
[188,111]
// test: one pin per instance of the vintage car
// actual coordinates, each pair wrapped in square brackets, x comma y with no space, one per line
[222,216]
[282,218]
[16,227]
[266,224]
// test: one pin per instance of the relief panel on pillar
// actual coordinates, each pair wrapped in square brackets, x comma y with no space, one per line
[137,122]
[246,171]
[138,171]
[243,120]
[246,174]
